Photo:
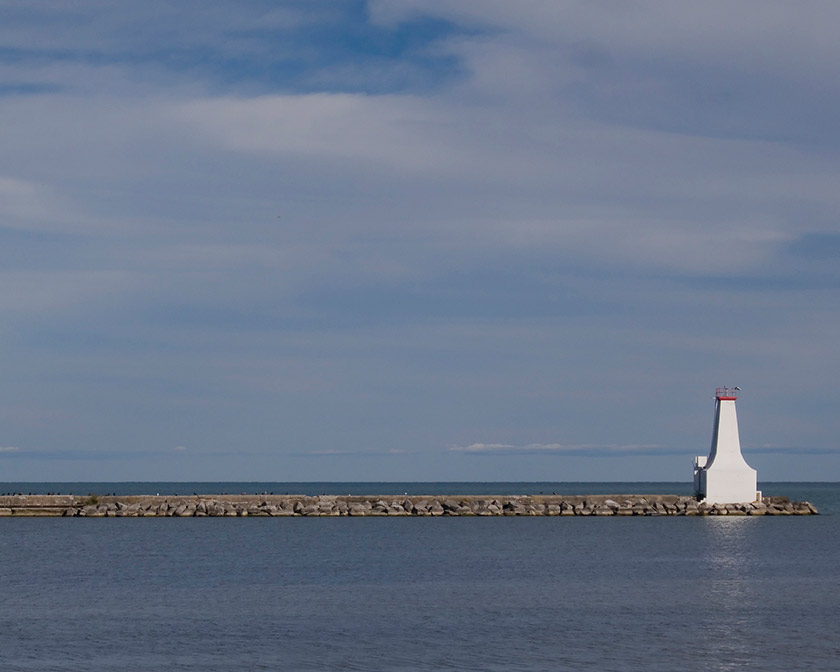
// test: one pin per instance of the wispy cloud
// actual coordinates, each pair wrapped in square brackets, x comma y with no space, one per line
[328,452]
[594,450]
[791,450]
[601,450]
[100,455]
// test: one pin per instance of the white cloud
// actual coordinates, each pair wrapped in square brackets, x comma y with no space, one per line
[404,144]
[559,448]
[483,448]
[757,35]
[395,131]
[338,452]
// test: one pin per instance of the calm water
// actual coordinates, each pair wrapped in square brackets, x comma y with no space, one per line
[422,594]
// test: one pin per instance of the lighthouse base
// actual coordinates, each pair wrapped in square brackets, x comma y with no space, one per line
[726,486]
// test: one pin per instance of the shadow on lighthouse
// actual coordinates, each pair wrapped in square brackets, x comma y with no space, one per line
[725,477]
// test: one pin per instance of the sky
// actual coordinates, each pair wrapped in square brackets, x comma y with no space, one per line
[417,240]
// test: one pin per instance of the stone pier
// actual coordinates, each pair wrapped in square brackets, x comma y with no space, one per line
[387,505]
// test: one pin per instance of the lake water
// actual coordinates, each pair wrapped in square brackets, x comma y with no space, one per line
[415,594]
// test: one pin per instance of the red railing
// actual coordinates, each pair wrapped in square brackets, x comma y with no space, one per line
[727,392]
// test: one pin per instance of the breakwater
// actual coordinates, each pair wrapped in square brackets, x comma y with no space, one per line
[394,505]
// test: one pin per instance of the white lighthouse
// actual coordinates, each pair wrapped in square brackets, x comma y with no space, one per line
[724,477]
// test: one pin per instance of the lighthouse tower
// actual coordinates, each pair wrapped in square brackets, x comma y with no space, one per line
[724,477]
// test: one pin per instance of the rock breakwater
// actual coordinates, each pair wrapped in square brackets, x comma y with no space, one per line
[393,505]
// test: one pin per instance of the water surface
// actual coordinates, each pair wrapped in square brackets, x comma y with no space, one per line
[419,594]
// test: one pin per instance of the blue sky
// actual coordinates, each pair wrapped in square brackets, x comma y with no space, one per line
[404,240]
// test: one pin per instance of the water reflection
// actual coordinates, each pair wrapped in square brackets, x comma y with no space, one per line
[728,590]
[728,540]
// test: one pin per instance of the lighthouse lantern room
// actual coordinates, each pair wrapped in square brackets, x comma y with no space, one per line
[724,477]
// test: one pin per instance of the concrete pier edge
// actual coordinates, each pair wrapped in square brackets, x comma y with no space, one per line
[387,505]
